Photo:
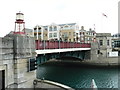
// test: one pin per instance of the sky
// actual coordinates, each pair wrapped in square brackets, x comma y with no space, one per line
[45,12]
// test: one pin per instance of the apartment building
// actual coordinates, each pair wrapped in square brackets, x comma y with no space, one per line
[64,32]
[40,32]
[69,32]
[53,32]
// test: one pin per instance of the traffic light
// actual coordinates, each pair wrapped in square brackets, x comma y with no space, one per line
[32,64]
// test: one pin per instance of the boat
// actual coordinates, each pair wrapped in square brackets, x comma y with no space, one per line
[93,85]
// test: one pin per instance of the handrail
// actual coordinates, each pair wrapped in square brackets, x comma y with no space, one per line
[60,45]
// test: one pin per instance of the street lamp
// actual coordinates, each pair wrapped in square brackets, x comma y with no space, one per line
[44,40]
[59,38]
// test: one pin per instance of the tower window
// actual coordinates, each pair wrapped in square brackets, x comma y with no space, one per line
[108,42]
[101,42]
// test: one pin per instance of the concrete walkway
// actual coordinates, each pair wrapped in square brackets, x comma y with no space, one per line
[113,61]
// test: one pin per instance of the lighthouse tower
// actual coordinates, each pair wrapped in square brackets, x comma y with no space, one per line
[19,24]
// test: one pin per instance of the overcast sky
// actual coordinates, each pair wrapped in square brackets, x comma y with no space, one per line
[44,12]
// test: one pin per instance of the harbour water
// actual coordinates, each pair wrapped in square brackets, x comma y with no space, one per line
[79,76]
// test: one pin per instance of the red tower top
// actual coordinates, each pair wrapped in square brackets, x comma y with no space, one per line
[19,24]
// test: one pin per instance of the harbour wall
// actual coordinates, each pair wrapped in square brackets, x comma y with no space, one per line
[15,51]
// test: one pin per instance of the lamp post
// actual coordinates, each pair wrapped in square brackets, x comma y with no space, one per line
[44,40]
[59,38]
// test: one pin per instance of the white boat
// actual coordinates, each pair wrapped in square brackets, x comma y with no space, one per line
[93,85]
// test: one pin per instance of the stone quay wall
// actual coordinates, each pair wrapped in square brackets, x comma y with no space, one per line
[15,51]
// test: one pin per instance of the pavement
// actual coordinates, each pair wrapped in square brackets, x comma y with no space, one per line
[111,61]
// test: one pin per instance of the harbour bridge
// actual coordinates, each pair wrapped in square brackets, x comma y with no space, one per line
[47,50]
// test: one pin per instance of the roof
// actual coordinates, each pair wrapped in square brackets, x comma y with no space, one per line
[103,34]
[82,30]
[28,30]
[67,24]
[45,26]
[116,35]
[91,30]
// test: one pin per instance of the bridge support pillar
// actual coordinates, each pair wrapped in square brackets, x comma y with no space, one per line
[24,49]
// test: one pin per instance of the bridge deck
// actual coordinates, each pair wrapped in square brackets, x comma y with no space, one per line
[60,50]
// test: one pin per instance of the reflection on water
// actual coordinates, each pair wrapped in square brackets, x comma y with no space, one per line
[78,76]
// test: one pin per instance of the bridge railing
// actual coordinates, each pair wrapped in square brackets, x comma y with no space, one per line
[60,45]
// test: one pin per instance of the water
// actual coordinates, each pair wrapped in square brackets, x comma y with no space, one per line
[77,76]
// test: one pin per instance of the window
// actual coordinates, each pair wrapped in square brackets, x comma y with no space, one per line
[66,27]
[35,28]
[39,28]
[74,39]
[65,34]
[73,33]
[50,35]
[108,42]
[88,38]
[35,34]
[44,35]
[82,38]
[80,33]
[55,34]
[69,33]
[119,35]
[50,29]
[92,39]
[69,40]
[39,35]
[101,42]
[55,28]
[66,40]
[83,33]
[61,27]
[46,29]
[98,52]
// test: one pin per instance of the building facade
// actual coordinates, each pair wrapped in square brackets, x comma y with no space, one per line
[64,32]
[104,43]
[69,32]
[87,36]
[116,42]
[53,32]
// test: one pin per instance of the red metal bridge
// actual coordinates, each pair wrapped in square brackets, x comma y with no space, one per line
[60,45]
[56,49]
